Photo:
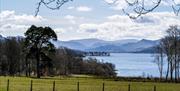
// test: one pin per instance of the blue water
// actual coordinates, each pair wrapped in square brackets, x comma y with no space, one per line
[132,64]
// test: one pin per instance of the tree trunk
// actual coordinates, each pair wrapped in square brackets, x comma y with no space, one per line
[175,69]
[37,65]
[171,70]
[175,54]
[29,69]
[26,66]
[167,71]
[161,70]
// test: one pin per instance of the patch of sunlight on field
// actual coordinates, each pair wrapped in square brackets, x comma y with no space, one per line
[85,84]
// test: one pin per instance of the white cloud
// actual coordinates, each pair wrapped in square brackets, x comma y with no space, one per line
[10,16]
[115,27]
[70,8]
[151,26]
[60,30]
[80,8]
[89,28]
[71,19]
[110,1]
[12,24]
[84,9]
[177,1]
[75,20]
[13,29]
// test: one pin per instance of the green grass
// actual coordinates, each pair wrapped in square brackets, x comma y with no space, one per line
[87,83]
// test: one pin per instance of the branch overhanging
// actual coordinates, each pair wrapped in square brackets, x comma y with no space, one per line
[47,3]
[139,7]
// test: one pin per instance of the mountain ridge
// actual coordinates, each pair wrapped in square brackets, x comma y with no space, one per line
[121,46]
[117,46]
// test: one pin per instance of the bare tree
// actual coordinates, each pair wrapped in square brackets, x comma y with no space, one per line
[174,33]
[170,47]
[159,58]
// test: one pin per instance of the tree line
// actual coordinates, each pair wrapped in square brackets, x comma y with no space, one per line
[167,55]
[35,55]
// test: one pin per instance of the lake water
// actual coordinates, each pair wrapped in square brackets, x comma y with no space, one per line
[132,64]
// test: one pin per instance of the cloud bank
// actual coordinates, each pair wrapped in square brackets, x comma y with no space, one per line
[12,24]
[113,27]
[152,26]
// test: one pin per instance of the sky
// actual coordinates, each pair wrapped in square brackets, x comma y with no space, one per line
[82,19]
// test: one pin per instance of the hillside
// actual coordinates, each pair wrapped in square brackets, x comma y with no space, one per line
[121,46]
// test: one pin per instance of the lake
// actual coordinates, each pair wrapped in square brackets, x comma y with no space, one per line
[132,64]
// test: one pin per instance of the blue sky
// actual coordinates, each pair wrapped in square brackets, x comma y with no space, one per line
[100,8]
[81,19]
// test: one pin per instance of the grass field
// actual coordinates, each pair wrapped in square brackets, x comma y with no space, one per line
[85,84]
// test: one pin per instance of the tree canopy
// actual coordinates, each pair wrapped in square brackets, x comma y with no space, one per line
[38,43]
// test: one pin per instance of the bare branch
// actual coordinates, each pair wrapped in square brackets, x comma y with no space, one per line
[47,3]
[140,8]
[176,8]
[37,9]
[131,3]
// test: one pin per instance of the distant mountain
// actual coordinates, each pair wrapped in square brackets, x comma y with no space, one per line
[70,44]
[128,45]
[113,43]
[120,46]
[107,48]
[9,37]
[147,50]
[1,37]
[125,41]
[89,42]
[93,44]
[142,46]
[139,46]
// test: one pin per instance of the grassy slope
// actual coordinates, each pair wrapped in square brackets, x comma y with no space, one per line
[86,84]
